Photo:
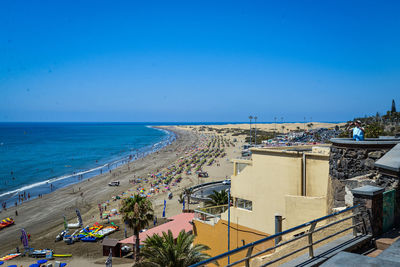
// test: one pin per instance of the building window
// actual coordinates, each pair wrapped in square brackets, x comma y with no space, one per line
[244,204]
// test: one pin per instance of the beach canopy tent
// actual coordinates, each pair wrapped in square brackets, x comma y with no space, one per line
[114,245]
[176,224]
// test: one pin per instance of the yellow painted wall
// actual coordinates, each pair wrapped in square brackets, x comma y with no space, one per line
[216,237]
[300,210]
[273,182]
[317,172]
[273,175]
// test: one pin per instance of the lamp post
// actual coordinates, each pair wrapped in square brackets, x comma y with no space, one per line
[255,130]
[229,222]
[250,117]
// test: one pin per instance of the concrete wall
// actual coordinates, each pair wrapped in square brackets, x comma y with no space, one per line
[216,237]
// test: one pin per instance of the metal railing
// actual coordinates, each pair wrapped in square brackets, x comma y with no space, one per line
[309,234]
[210,215]
[214,209]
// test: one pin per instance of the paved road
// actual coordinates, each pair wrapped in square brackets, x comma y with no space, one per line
[205,191]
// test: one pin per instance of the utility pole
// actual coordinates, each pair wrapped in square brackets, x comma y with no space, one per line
[255,130]
[250,117]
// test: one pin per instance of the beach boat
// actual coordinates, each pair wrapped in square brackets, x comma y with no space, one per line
[61,235]
[40,253]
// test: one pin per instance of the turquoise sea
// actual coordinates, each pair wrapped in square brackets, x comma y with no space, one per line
[37,158]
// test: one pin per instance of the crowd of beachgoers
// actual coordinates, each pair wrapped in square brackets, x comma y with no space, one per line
[169,170]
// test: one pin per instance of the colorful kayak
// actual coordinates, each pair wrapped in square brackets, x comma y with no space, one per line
[9,256]
[106,231]
[6,222]
[62,255]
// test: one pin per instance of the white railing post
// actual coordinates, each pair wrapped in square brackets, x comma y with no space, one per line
[310,240]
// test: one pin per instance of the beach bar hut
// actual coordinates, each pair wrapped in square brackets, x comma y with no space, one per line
[175,224]
[112,244]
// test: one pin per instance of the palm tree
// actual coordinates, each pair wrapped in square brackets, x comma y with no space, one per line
[137,212]
[188,192]
[180,198]
[218,198]
[166,251]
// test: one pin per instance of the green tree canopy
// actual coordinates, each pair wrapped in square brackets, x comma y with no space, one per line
[373,130]
[137,212]
[218,198]
[393,106]
[165,251]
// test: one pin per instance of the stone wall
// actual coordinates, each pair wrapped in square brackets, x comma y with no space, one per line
[351,165]
[345,163]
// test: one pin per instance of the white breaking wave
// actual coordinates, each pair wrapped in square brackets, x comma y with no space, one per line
[142,151]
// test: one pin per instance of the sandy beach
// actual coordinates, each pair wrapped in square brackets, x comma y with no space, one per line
[42,218]
[270,126]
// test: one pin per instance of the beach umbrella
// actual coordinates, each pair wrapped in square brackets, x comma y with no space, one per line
[1,262]
[12,265]
[63,264]
[34,265]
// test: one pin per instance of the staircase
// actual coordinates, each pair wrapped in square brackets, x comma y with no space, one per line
[387,253]
[384,242]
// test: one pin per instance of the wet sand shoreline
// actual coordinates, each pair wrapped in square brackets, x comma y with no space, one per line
[42,217]
[38,189]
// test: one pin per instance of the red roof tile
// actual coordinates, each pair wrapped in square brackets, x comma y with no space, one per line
[179,222]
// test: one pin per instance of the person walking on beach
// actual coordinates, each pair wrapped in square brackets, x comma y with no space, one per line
[358,131]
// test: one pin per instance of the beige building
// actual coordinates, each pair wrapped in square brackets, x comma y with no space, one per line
[288,181]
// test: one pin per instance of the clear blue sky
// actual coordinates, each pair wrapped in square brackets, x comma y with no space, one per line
[197,60]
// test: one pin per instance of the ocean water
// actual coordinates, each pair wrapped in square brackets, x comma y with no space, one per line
[37,158]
